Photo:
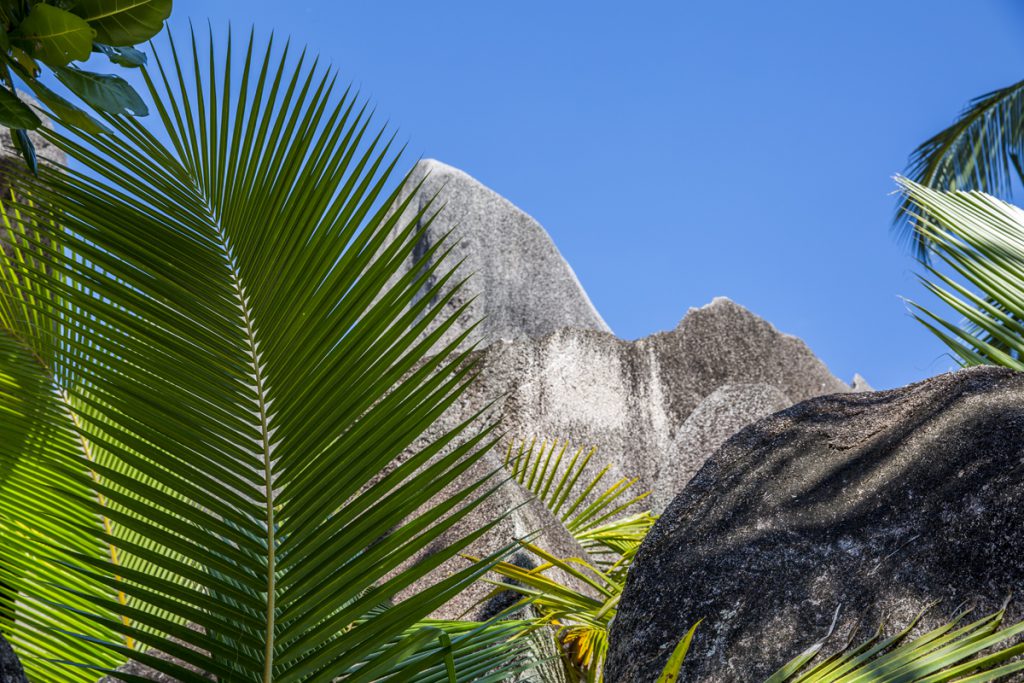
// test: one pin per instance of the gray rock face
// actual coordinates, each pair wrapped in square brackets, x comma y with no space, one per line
[877,503]
[523,286]
[730,408]
[638,401]
[10,667]
[656,408]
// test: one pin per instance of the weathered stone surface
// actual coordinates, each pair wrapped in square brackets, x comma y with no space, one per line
[523,286]
[656,408]
[635,399]
[878,503]
[727,410]
[10,667]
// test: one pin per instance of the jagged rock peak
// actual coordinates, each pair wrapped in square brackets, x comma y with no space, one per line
[522,284]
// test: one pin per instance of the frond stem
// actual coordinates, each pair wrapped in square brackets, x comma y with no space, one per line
[268,479]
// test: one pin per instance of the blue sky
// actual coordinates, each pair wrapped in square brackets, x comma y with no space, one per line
[678,151]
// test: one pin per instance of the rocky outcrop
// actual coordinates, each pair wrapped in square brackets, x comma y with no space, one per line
[874,503]
[727,410]
[656,408]
[650,405]
[565,375]
[10,667]
[519,282]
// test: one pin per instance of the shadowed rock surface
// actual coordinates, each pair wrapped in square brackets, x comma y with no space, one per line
[876,502]
[727,410]
[10,667]
[523,286]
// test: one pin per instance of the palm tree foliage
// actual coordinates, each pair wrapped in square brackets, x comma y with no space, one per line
[974,652]
[978,242]
[599,519]
[594,516]
[982,150]
[210,363]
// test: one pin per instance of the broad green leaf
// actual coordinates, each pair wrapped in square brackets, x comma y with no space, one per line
[122,56]
[24,62]
[16,114]
[123,23]
[105,92]
[63,110]
[54,36]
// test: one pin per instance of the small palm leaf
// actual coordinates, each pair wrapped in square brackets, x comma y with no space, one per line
[973,652]
[237,338]
[592,516]
[670,674]
[581,620]
[978,241]
[981,151]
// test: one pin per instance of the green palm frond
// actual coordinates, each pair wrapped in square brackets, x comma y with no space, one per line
[593,516]
[580,620]
[978,242]
[39,441]
[236,338]
[981,151]
[973,652]
[599,519]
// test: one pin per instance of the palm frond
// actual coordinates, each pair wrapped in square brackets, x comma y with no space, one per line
[981,151]
[581,620]
[41,451]
[973,652]
[978,242]
[235,342]
[594,516]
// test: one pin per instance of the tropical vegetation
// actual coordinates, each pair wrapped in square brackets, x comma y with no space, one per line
[58,34]
[210,359]
[981,150]
[216,373]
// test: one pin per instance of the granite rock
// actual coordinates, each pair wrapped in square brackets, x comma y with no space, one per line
[636,400]
[521,284]
[876,504]
[656,408]
[727,410]
[10,667]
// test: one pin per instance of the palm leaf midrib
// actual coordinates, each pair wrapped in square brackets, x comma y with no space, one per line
[264,454]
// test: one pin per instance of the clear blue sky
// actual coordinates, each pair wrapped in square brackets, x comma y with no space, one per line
[677,151]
